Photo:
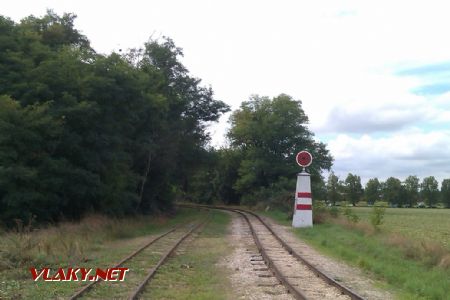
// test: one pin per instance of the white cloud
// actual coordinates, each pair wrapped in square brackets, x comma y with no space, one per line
[339,57]
[411,152]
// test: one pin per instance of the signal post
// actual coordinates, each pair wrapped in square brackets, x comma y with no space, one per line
[303,199]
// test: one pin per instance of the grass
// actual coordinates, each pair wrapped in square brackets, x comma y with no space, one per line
[399,254]
[422,224]
[195,274]
[95,242]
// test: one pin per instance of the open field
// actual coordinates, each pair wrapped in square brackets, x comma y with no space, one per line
[422,224]
[404,253]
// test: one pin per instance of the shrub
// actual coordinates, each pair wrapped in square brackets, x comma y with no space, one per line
[319,212]
[377,216]
[350,215]
[334,211]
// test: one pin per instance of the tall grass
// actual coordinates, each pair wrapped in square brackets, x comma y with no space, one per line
[414,270]
[418,268]
[67,243]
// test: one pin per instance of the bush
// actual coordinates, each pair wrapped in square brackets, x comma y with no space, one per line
[351,216]
[279,195]
[319,212]
[377,216]
[334,211]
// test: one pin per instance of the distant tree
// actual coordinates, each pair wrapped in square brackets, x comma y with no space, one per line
[429,190]
[269,133]
[445,192]
[318,188]
[372,191]
[353,188]
[392,191]
[333,189]
[228,164]
[412,185]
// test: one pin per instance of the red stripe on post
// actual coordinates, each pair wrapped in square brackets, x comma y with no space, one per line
[303,195]
[304,207]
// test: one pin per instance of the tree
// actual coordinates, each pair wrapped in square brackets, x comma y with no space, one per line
[392,191]
[373,191]
[81,131]
[269,133]
[429,190]
[229,161]
[445,192]
[353,188]
[35,182]
[411,185]
[333,189]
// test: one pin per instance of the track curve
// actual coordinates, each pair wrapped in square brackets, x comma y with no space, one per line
[302,279]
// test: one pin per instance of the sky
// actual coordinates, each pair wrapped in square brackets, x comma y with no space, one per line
[373,76]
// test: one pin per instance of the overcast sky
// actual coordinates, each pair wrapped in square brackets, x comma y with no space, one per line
[373,76]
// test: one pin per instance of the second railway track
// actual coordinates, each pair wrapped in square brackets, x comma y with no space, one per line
[142,263]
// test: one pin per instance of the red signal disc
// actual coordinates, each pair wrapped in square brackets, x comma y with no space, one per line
[304,159]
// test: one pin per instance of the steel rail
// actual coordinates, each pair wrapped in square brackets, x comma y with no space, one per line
[353,295]
[269,262]
[152,271]
[343,289]
[90,285]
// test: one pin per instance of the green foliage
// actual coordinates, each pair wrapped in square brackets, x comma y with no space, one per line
[411,185]
[334,211]
[350,215]
[411,277]
[429,190]
[392,191]
[377,216]
[353,188]
[267,134]
[86,132]
[445,192]
[320,212]
[372,191]
[334,189]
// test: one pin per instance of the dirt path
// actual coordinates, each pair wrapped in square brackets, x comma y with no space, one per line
[251,280]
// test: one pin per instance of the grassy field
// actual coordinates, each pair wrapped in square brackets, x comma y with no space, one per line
[409,252]
[95,242]
[415,223]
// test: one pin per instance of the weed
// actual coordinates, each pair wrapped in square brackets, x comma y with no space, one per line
[351,216]
[319,212]
[376,217]
[445,262]
[334,211]
[413,277]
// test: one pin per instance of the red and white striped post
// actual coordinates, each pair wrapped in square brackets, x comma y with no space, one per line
[303,200]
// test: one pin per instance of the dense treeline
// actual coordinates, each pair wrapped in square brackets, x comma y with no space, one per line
[81,131]
[409,193]
[125,133]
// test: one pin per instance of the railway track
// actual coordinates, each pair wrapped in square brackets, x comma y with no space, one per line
[300,278]
[143,264]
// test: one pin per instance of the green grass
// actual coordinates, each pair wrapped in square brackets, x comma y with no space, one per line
[194,274]
[95,242]
[396,254]
[412,279]
[415,223]
[277,215]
